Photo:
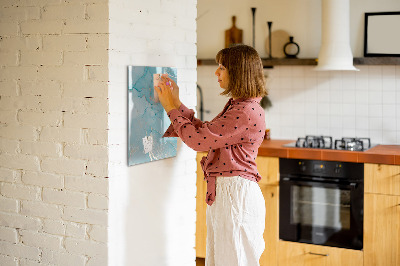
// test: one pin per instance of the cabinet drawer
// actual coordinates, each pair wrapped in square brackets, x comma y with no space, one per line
[382,179]
[299,254]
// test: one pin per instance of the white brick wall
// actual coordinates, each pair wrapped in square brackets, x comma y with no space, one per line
[53,135]
[63,133]
[152,206]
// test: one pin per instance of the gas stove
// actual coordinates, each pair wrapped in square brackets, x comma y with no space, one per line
[326,142]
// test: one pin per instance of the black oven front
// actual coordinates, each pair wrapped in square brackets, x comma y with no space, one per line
[321,202]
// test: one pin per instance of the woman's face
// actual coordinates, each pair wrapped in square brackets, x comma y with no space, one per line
[223,76]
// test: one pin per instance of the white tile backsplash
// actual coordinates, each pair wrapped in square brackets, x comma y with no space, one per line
[336,122]
[310,108]
[375,110]
[375,83]
[389,97]
[362,97]
[362,110]
[348,109]
[389,83]
[375,123]
[349,96]
[363,103]
[336,109]
[389,111]
[336,96]
[375,97]
[323,95]
[389,124]
[362,123]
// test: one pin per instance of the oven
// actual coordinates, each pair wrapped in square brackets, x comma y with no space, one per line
[321,202]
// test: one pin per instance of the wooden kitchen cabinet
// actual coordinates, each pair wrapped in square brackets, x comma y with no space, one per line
[300,254]
[201,205]
[381,230]
[382,215]
[269,170]
[382,179]
[271,232]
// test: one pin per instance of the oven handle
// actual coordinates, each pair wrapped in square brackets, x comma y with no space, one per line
[310,182]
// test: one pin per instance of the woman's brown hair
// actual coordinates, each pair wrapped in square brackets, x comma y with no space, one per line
[245,69]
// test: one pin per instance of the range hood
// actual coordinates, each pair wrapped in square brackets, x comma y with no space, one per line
[335,52]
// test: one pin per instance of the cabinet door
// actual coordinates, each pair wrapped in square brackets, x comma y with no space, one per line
[201,205]
[299,254]
[271,232]
[268,167]
[381,230]
[382,179]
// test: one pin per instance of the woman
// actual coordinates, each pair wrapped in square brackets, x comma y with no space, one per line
[236,211]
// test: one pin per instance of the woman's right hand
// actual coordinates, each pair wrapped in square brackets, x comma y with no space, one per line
[175,90]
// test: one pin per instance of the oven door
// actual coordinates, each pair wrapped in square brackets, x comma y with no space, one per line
[321,212]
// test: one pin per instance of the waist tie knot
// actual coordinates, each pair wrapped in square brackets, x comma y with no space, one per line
[210,196]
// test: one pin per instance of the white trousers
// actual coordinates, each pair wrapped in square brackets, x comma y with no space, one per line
[235,223]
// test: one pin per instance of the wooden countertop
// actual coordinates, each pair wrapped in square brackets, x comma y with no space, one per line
[380,154]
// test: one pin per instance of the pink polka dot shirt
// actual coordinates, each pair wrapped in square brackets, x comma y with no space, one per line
[232,139]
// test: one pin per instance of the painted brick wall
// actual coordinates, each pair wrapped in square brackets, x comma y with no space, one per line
[63,131]
[152,205]
[53,132]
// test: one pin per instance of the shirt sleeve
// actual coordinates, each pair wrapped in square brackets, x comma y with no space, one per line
[187,113]
[232,127]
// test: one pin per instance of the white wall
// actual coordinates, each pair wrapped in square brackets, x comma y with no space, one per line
[152,205]
[53,133]
[337,103]
[301,19]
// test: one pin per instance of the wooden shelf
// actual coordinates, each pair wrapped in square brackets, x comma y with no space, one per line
[269,63]
[377,61]
[289,62]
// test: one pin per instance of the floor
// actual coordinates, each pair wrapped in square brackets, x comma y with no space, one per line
[200,262]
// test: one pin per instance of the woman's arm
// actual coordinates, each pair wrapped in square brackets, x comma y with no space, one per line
[232,128]
[186,112]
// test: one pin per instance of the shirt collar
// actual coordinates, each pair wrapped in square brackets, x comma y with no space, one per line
[256,99]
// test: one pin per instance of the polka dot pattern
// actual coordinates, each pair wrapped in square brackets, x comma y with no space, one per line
[232,139]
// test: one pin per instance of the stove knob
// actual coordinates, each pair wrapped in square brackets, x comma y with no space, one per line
[302,166]
[338,169]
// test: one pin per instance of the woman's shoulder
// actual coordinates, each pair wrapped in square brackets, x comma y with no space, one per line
[249,105]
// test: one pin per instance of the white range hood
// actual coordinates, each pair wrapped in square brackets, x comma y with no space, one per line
[335,52]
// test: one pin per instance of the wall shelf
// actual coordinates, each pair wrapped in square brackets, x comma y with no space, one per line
[269,63]
[288,62]
[377,61]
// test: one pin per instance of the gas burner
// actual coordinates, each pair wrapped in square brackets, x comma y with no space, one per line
[353,144]
[322,142]
[325,142]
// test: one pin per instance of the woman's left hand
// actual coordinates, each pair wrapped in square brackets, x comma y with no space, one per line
[165,96]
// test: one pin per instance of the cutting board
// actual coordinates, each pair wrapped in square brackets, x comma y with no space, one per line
[233,35]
